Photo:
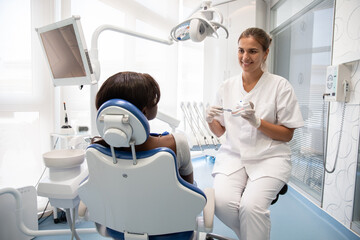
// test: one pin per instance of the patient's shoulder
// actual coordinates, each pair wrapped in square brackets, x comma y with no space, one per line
[167,141]
[181,142]
[180,137]
[155,141]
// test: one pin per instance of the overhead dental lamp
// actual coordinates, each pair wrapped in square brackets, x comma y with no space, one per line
[204,23]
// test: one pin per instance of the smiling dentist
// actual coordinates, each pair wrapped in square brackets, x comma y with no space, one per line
[253,163]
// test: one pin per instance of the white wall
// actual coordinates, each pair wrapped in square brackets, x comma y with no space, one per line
[220,55]
[338,199]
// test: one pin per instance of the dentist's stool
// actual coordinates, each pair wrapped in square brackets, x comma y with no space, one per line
[139,195]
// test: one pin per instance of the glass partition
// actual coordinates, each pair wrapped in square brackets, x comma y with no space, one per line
[302,51]
[286,9]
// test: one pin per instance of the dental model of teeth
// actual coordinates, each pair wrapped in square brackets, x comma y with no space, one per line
[242,106]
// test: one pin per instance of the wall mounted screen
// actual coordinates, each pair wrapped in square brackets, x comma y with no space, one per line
[66,53]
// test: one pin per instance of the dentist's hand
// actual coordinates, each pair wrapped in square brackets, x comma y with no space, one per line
[250,116]
[246,111]
[213,111]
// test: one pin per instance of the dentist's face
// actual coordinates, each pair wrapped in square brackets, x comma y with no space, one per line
[251,55]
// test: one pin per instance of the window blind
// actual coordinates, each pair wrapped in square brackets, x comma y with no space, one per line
[303,51]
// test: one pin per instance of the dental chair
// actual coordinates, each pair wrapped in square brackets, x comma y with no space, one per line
[139,195]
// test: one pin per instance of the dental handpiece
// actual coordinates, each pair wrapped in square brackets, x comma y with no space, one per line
[226,109]
[241,107]
[66,117]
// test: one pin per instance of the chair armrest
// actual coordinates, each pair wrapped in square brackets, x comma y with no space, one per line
[209,209]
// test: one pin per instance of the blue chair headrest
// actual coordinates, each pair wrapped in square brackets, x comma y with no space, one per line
[119,122]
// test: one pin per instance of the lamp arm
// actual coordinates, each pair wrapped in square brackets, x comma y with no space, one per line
[218,25]
[94,54]
[213,11]
[95,37]
[173,122]
[100,29]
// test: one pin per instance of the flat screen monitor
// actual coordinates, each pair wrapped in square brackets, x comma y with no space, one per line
[66,53]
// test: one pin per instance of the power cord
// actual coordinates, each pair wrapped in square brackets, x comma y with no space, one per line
[346,89]
[44,211]
[324,135]
[42,174]
[339,141]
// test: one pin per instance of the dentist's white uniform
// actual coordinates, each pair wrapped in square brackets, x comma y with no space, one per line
[251,168]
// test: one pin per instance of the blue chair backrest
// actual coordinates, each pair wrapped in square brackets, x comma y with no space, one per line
[147,197]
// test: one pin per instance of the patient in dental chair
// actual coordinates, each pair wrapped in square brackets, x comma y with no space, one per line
[143,91]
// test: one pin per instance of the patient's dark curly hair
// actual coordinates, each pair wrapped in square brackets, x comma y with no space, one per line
[139,89]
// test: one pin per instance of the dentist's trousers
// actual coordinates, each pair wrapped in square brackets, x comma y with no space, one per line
[243,205]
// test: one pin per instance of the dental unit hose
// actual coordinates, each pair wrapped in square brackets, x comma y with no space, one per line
[203,122]
[197,124]
[182,105]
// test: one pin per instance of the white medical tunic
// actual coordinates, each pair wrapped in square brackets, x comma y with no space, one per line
[245,146]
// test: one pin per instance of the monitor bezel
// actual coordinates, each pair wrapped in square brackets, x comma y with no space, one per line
[89,77]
